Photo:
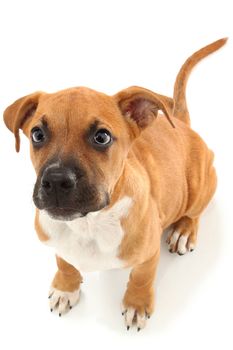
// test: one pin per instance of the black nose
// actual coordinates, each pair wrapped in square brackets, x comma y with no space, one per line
[59,181]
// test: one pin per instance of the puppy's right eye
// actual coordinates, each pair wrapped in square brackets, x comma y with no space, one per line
[37,135]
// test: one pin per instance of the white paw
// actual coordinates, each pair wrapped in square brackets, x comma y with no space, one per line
[63,301]
[179,243]
[133,318]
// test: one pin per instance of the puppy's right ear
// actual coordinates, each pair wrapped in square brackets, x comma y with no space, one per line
[16,114]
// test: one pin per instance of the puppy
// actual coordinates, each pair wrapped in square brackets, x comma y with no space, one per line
[112,174]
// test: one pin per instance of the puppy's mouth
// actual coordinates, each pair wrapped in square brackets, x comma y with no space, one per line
[69,214]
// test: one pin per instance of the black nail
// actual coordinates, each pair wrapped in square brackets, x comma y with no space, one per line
[180,253]
[70,307]
[191,250]
[139,329]
[59,314]
[128,327]
[51,310]
[148,316]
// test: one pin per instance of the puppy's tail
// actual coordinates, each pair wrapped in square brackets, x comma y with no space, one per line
[180,109]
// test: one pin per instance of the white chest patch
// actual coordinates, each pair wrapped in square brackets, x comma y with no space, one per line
[89,243]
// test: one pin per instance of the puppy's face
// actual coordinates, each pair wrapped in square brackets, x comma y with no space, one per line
[79,142]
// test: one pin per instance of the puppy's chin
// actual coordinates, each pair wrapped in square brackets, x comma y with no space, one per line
[64,214]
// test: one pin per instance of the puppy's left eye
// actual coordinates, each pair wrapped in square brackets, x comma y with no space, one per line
[37,135]
[103,137]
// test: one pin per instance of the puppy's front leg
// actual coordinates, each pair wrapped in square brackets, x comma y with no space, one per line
[138,302]
[65,289]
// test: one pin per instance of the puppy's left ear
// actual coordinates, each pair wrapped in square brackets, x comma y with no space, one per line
[141,105]
[16,114]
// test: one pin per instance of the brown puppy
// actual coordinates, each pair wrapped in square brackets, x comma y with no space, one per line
[111,176]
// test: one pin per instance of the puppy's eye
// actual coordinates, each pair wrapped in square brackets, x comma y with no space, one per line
[103,137]
[37,135]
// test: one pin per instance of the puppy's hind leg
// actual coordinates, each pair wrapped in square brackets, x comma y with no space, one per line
[183,236]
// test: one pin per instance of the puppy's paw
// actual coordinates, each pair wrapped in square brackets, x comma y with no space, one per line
[179,243]
[134,317]
[62,301]
[137,308]
[182,238]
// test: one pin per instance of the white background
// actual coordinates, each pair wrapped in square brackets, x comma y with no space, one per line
[109,45]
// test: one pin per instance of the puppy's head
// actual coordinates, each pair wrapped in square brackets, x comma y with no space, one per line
[79,142]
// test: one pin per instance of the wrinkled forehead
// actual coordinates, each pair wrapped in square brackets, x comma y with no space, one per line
[79,108]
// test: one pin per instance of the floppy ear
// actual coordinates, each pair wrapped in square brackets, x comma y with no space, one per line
[142,105]
[16,114]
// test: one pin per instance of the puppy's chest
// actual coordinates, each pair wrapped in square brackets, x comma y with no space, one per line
[90,243]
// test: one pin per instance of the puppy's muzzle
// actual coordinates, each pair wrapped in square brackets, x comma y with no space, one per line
[65,192]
